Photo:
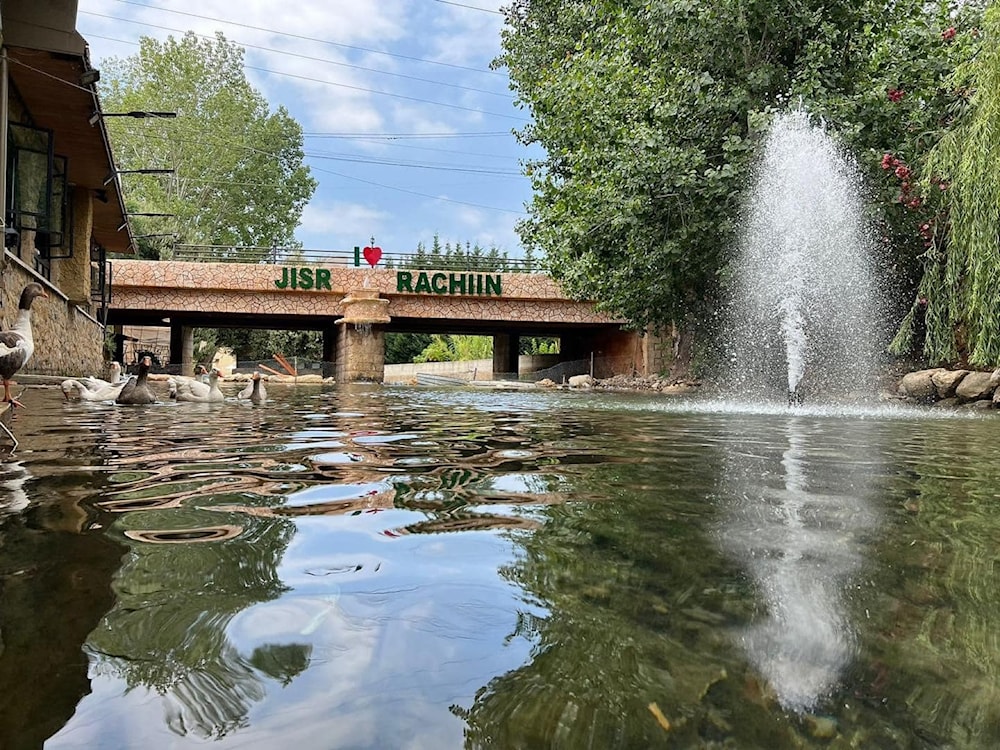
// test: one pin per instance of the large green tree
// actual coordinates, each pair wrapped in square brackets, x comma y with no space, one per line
[239,175]
[649,114]
[957,296]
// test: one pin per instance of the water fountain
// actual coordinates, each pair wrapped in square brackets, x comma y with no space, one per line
[806,325]
[805,313]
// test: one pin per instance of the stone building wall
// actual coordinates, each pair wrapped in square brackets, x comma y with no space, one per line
[68,341]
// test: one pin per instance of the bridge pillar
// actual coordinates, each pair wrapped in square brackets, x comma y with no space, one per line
[361,341]
[360,354]
[505,354]
[182,348]
[330,351]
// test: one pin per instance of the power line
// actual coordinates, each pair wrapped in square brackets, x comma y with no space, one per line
[389,93]
[348,86]
[350,158]
[401,136]
[328,61]
[354,179]
[309,38]
[470,7]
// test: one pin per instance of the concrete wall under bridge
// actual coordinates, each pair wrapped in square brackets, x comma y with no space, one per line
[355,308]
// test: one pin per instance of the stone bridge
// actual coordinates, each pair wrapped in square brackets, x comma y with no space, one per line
[355,307]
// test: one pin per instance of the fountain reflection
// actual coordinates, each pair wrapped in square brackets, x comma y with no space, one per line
[798,523]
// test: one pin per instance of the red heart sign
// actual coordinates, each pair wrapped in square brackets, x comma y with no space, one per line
[372,255]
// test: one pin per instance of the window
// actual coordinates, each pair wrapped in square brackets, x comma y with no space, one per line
[38,202]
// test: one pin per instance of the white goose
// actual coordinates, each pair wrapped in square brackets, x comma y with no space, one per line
[201,377]
[254,391]
[84,392]
[117,379]
[193,390]
[17,344]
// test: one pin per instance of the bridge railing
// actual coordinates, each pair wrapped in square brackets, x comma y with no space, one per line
[453,261]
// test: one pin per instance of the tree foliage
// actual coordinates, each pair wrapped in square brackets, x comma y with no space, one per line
[456,348]
[961,268]
[466,257]
[239,175]
[401,348]
[650,113]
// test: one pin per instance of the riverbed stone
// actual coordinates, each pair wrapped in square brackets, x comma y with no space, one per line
[975,386]
[946,381]
[920,384]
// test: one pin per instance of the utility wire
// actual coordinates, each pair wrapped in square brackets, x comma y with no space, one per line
[311,58]
[378,184]
[309,38]
[348,86]
[470,7]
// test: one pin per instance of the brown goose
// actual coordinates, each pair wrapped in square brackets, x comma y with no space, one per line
[137,390]
[17,344]
[254,391]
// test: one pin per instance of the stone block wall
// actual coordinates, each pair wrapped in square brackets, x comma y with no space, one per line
[360,354]
[68,341]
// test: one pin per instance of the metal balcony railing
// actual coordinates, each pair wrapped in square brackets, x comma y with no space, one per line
[454,261]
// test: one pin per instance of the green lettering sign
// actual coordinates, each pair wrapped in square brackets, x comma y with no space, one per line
[423,284]
[439,283]
[449,283]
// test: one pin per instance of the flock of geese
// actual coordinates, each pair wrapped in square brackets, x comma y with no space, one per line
[202,388]
[17,344]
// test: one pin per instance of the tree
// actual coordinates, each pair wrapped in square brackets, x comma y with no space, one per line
[649,114]
[456,348]
[401,348]
[239,177]
[957,296]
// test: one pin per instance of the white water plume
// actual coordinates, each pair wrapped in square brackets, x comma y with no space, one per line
[799,528]
[805,313]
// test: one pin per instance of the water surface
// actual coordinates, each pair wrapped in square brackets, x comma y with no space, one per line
[366,567]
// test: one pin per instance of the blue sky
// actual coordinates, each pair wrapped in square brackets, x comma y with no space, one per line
[408,131]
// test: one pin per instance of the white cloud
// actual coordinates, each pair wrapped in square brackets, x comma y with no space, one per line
[382,68]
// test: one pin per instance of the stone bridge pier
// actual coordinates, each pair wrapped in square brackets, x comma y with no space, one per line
[360,337]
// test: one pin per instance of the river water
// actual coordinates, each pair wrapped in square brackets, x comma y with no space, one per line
[397,567]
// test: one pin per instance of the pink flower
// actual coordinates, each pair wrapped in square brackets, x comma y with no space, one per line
[948,34]
[896,94]
[888,161]
[902,172]
[914,203]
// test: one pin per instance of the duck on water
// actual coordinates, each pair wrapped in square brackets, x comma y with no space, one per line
[137,390]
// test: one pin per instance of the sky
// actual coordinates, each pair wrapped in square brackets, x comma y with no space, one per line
[408,131]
